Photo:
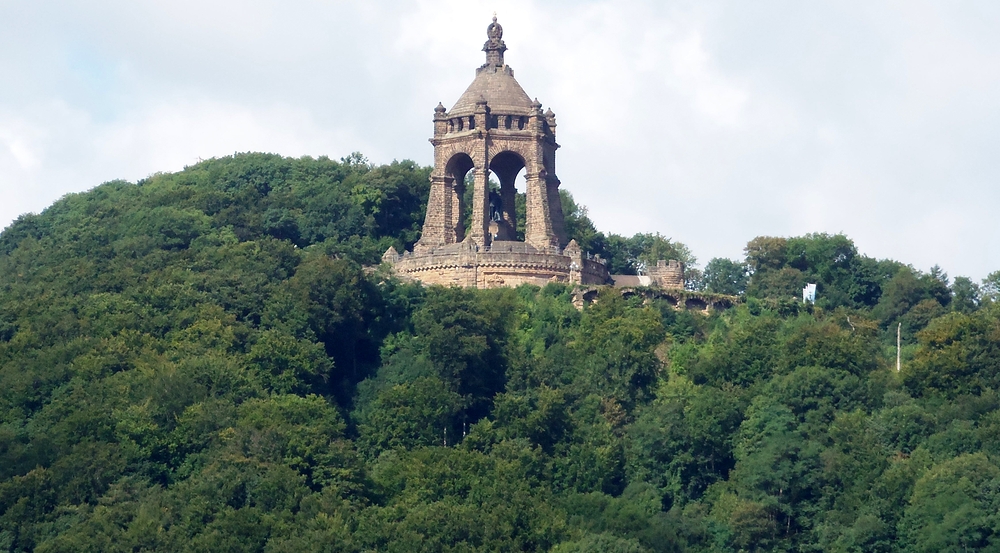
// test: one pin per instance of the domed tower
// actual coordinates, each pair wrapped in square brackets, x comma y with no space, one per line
[494,126]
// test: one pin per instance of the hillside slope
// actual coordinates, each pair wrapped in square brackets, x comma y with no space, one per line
[198,362]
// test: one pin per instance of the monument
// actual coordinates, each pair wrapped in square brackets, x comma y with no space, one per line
[495,128]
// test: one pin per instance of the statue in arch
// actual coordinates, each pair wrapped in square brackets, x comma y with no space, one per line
[494,127]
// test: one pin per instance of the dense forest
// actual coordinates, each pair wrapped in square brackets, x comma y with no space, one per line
[211,361]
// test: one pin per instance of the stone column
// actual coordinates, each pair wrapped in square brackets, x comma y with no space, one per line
[436,227]
[538,217]
[478,228]
[555,210]
[538,221]
[575,255]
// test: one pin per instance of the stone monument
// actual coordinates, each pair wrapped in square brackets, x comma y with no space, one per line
[495,128]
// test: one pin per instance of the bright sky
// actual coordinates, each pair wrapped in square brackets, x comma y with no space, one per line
[710,122]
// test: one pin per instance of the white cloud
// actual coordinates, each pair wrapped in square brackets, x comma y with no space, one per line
[172,135]
[18,146]
[719,100]
[711,122]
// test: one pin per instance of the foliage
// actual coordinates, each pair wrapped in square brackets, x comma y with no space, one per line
[725,276]
[201,361]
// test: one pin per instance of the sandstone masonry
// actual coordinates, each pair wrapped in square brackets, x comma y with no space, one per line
[495,128]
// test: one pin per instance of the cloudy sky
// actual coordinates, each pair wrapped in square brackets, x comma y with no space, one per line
[710,122]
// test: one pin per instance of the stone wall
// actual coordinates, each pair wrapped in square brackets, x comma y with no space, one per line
[667,274]
[679,299]
[502,264]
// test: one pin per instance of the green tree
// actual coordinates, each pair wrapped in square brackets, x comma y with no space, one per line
[991,287]
[956,354]
[724,276]
[578,225]
[682,442]
[342,306]
[618,346]
[953,507]
[628,256]
[410,415]
[464,335]
[965,295]
[766,252]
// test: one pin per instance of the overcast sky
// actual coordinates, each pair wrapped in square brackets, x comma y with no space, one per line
[710,122]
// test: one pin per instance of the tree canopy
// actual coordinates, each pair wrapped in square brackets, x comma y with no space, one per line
[209,360]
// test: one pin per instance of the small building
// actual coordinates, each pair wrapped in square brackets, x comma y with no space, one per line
[666,274]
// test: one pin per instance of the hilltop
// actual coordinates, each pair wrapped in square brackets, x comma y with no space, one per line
[200,361]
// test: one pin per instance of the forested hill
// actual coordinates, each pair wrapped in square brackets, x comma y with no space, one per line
[199,362]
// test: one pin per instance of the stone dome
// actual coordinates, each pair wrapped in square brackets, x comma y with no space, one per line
[501,91]
[494,82]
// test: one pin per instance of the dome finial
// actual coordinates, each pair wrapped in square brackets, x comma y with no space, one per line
[494,47]
[494,31]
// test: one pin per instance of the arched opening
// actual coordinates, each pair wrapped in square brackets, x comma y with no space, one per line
[492,190]
[695,304]
[506,166]
[455,172]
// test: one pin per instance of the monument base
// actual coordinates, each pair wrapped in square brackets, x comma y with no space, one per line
[503,263]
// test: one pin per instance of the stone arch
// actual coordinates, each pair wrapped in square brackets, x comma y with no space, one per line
[455,170]
[507,161]
[672,299]
[504,132]
[506,165]
[543,220]
[695,304]
[459,164]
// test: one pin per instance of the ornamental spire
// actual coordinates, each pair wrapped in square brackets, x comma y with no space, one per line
[494,47]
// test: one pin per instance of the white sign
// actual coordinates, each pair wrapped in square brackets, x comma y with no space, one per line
[809,293]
